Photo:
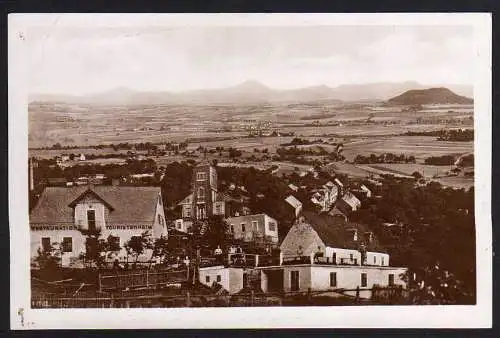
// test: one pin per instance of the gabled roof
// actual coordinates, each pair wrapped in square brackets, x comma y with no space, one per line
[337,212]
[335,232]
[90,192]
[131,204]
[187,200]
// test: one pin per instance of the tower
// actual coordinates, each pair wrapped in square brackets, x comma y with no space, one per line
[204,187]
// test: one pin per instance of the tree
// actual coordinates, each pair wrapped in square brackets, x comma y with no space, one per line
[95,249]
[136,245]
[160,249]
[48,258]
[417,175]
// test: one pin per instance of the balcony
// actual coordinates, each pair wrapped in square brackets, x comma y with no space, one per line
[291,260]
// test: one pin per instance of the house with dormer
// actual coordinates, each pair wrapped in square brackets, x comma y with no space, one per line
[63,215]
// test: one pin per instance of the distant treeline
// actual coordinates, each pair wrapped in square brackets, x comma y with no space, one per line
[440,160]
[384,158]
[120,146]
[294,151]
[303,142]
[455,135]
[318,116]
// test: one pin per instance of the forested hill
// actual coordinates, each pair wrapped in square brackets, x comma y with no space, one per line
[430,96]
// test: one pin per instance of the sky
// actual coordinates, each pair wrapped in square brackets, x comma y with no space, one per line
[81,61]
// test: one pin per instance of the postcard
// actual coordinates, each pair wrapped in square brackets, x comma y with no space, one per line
[250,170]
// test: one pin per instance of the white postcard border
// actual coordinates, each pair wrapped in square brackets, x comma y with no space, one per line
[23,317]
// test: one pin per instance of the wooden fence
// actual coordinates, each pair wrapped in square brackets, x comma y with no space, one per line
[183,298]
[141,278]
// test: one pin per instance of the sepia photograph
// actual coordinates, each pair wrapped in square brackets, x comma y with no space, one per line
[305,164]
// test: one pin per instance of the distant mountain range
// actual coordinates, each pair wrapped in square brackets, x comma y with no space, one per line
[249,92]
[430,96]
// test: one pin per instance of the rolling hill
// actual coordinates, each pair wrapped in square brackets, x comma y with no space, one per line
[439,95]
[248,92]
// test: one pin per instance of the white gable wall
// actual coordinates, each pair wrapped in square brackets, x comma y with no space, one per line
[90,203]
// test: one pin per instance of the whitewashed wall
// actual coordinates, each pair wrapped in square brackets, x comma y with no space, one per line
[231,278]
[89,203]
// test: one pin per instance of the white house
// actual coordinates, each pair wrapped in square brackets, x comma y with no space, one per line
[323,277]
[117,212]
[322,252]
[252,227]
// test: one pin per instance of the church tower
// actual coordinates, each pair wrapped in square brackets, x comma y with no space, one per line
[204,187]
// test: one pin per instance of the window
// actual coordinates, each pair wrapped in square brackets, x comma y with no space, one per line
[201,176]
[254,225]
[391,279]
[207,279]
[187,211]
[333,279]
[46,243]
[294,280]
[91,219]
[382,260]
[218,209]
[368,237]
[232,228]
[67,244]
[179,224]
[201,193]
[364,280]
[272,226]
[374,259]
[159,220]
[242,227]
[351,257]
[159,200]
[218,279]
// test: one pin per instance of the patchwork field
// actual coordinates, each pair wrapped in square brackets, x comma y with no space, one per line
[71,124]
[419,146]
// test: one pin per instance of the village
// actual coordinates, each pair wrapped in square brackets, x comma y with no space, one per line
[194,228]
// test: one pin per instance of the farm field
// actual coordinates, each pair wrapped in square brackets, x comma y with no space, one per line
[419,146]
[84,125]
[428,171]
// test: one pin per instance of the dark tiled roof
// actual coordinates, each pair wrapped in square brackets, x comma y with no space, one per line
[130,204]
[334,232]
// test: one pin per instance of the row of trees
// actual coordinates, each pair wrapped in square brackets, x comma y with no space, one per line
[384,158]
[455,135]
[99,251]
[440,160]
[47,169]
